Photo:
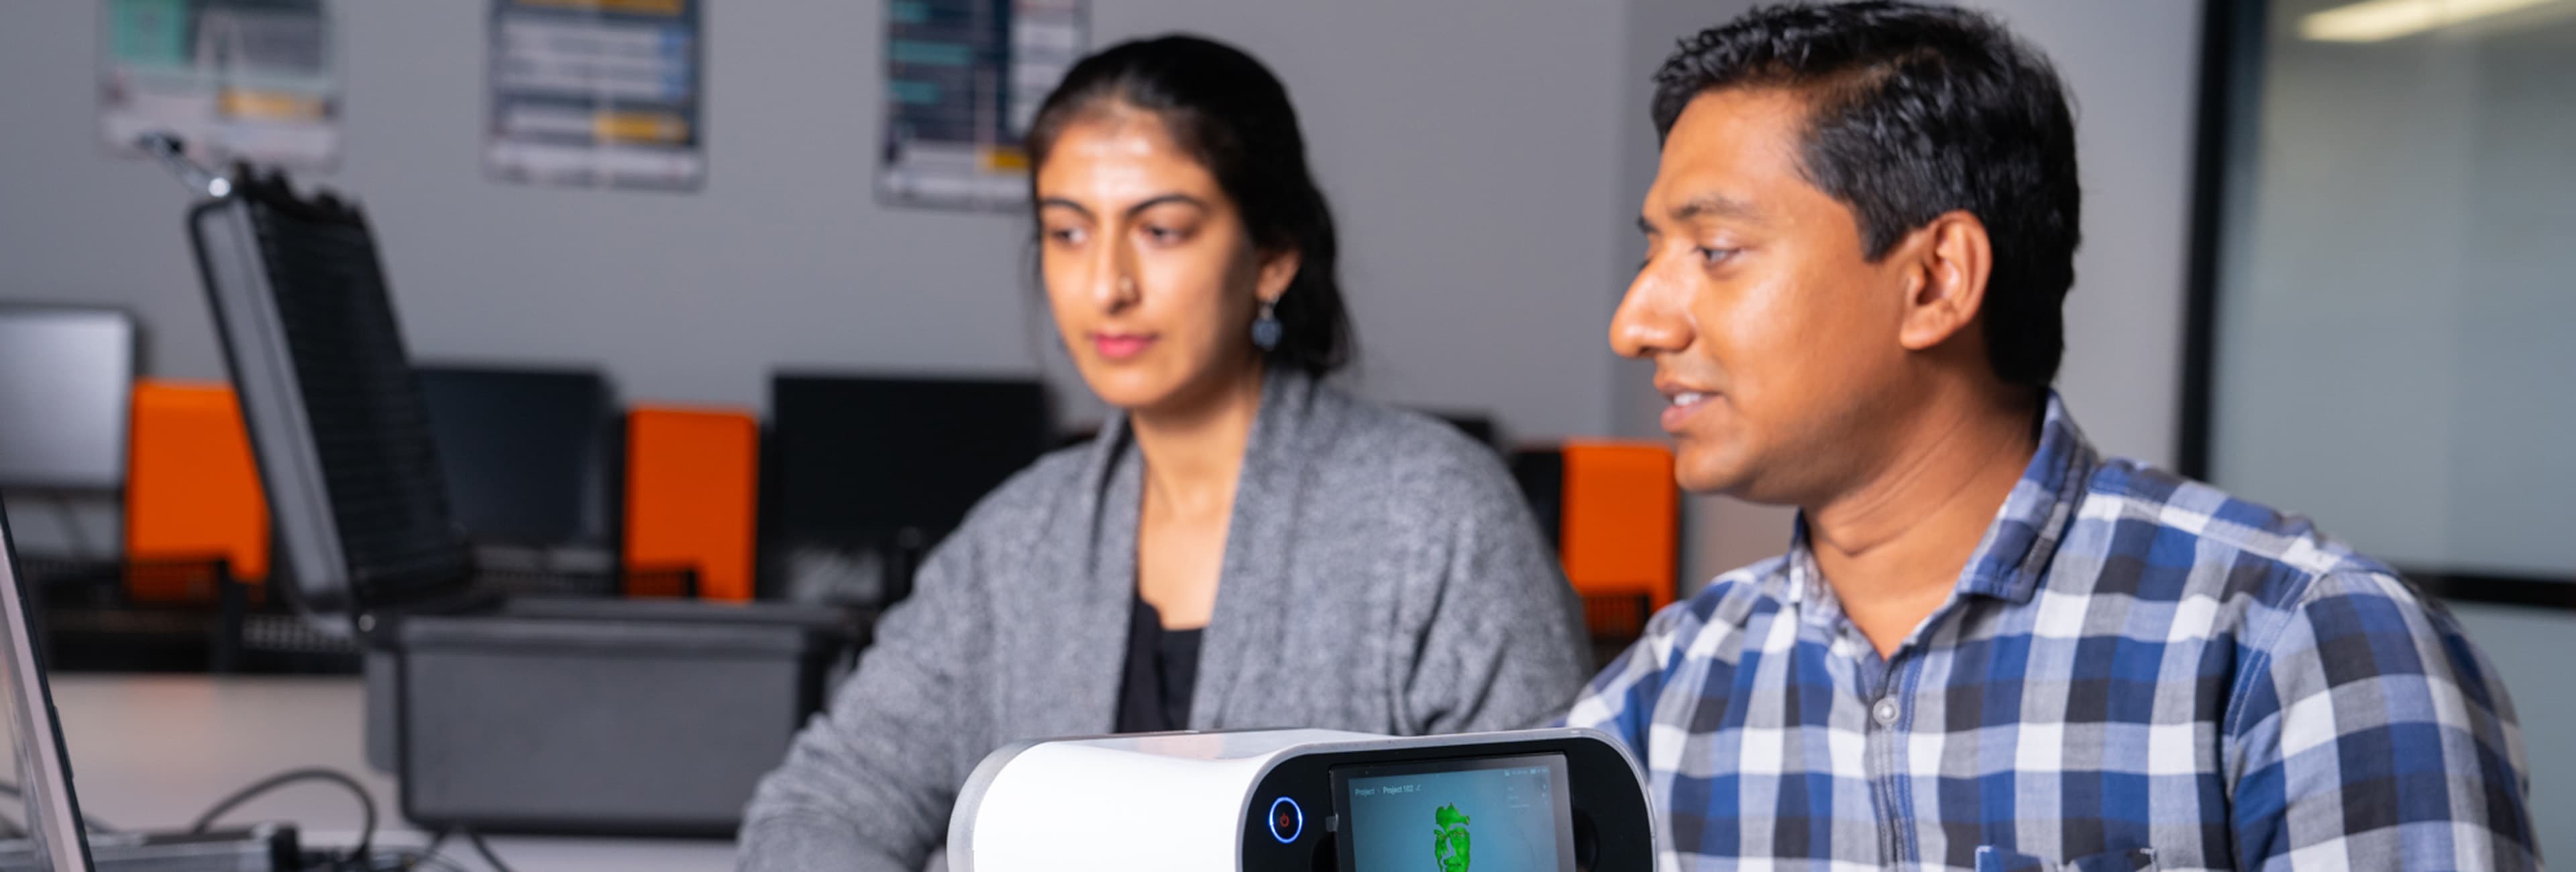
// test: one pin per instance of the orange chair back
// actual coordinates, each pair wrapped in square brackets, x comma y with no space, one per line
[692,481]
[191,489]
[1621,521]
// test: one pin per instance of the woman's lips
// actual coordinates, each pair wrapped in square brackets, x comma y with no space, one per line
[1120,346]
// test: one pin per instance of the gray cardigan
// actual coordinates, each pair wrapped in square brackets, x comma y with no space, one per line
[1381,573]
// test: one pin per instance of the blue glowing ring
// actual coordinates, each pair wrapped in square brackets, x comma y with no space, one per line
[1291,835]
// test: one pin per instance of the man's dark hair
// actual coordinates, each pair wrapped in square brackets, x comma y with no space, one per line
[1230,113]
[1914,111]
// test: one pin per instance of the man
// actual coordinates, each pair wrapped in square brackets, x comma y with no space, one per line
[1987,646]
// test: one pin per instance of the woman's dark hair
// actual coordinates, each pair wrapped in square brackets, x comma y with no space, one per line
[1232,115]
[1913,111]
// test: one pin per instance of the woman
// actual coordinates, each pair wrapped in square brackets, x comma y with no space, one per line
[1245,547]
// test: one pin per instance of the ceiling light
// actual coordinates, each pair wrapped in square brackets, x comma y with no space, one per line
[2376,20]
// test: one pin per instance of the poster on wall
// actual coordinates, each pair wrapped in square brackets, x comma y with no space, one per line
[597,93]
[963,80]
[252,80]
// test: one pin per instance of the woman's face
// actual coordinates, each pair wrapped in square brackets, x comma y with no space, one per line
[1149,268]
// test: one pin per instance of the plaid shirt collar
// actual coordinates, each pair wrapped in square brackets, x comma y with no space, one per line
[2013,558]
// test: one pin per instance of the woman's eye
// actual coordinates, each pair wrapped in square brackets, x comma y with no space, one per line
[1065,235]
[1164,235]
[1714,256]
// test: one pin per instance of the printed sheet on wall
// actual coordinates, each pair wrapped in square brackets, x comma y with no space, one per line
[963,80]
[252,80]
[597,93]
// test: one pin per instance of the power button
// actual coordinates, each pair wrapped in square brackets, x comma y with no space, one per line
[1287,821]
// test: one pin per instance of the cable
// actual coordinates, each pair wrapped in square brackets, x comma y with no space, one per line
[486,850]
[436,840]
[361,857]
[405,859]
[69,515]
[425,856]
[367,804]
[438,862]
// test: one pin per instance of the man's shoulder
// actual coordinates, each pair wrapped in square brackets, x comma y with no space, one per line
[2228,567]
[2138,515]
[1418,462]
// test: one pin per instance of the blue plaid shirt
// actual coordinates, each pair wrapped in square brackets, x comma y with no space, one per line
[2135,672]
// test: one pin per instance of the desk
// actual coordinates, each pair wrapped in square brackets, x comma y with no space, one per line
[153,752]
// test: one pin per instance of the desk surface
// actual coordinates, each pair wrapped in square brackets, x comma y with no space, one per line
[153,752]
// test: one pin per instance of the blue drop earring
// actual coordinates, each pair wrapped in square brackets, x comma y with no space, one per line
[1266,328]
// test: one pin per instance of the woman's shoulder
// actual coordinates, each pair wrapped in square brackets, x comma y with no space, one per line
[1372,444]
[1023,501]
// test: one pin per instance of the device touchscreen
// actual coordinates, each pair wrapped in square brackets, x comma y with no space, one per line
[1479,814]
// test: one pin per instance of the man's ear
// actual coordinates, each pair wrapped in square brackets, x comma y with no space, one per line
[1946,264]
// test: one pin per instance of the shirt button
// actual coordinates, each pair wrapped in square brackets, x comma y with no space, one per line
[1885,712]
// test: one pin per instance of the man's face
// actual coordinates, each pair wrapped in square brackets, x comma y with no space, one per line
[1775,340]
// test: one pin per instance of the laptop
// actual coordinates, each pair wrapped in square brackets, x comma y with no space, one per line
[55,839]
[53,824]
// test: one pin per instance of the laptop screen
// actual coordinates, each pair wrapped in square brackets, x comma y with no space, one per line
[43,775]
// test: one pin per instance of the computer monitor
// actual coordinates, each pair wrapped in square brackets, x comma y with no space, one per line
[44,771]
[860,471]
[66,377]
[527,454]
[853,456]
[338,425]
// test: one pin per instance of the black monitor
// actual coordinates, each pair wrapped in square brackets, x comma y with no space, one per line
[877,462]
[529,455]
[1477,427]
[66,383]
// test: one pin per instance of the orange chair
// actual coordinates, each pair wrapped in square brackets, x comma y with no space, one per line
[691,485]
[1620,530]
[191,491]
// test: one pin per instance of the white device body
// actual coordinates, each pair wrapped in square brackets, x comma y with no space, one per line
[1161,802]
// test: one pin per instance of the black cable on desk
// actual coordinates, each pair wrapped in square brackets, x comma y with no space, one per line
[361,857]
[406,859]
[486,850]
[366,835]
[436,840]
[70,516]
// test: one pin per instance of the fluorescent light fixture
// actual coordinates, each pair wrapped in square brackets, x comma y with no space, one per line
[2376,20]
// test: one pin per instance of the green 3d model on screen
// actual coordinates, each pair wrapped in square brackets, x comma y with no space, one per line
[1449,839]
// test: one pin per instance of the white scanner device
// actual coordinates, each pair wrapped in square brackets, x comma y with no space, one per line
[1558,800]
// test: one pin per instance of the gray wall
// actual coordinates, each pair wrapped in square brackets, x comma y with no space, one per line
[1455,137]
